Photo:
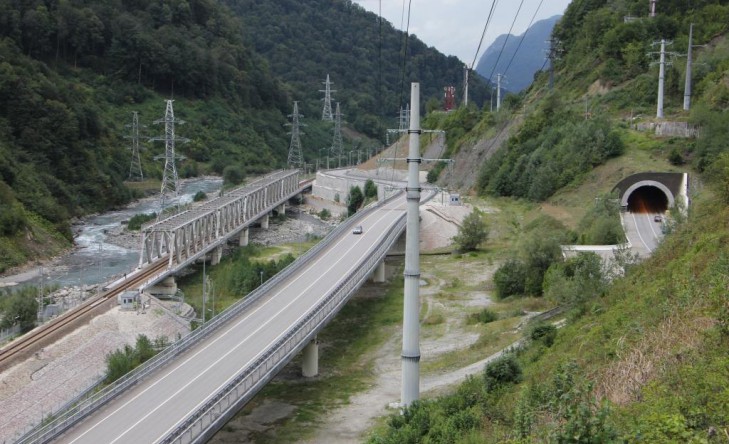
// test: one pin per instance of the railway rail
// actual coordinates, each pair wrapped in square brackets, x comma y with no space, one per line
[44,335]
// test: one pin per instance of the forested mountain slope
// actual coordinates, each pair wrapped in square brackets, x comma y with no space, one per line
[72,73]
[305,41]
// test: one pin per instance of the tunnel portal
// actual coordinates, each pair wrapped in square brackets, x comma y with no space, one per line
[648,199]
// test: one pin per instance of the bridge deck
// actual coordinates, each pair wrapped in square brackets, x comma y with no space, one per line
[158,405]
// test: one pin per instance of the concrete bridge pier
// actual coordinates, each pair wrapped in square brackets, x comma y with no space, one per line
[281,209]
[216,255]
[378,274]
[264,222]
[243,241]
[310,363]
[165,288]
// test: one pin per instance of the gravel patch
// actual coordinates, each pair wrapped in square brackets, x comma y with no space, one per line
[56,374]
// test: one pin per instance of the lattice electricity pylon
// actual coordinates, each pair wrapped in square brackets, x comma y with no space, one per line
[170,180]
[326,113]
[337,148]
[296,159]
[404,118]
[135,169]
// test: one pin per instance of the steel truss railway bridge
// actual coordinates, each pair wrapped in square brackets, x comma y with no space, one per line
[182,239]
[190,390]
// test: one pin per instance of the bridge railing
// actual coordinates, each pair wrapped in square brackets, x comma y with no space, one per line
[205,421]
[66,418]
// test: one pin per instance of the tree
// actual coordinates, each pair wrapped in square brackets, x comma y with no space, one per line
[354,200]
[370,189]
[472,233]
[20,308]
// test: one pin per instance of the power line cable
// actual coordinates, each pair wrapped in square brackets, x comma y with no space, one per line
[523,36]
[506,40]
[483,34]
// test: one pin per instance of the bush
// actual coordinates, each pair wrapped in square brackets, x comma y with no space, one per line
[325,214]
[354,200]
[472,232]
[136,222]
[370,189]
[485,316]
[20,307]
[199,196]
[233,175]
[502,371]
[545,333]
[509,279]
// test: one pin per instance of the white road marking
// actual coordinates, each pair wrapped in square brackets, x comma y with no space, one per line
[220,336]
[637,229]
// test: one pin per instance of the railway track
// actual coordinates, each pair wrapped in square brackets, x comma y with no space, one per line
[46,334]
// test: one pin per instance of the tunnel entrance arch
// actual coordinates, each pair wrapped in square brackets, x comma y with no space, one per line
[651,192]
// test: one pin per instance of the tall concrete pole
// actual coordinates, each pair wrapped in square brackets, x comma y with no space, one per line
[661,77]
[411,307]
[498,92]
[465,85]
[687,85]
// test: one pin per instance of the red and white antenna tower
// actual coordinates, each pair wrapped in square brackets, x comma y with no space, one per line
[450,98]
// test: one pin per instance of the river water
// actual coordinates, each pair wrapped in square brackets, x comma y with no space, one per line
[95,260]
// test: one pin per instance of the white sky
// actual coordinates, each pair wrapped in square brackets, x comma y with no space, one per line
[454,27]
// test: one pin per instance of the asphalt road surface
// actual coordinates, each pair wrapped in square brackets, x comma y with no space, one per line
[643,232]
[150,410]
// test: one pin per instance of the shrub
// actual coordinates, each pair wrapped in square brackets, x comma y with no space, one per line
[502,371]
[485,316]
[233,175]
[472,232]
[545,333]
[199,196]
[325,214]
[370,189]
[354,200]
[136,222]
[509,279]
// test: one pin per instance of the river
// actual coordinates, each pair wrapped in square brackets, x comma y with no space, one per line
[96,260]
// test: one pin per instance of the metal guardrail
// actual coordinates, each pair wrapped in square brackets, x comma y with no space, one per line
[203,423]
[68,417]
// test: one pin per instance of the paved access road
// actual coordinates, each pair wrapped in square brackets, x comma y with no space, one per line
[643,232]
[150,410]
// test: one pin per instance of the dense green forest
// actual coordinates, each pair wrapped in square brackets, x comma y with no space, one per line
[305,41]
[642,356]
[72,73]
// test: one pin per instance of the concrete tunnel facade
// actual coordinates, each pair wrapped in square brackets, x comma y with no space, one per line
[653,186]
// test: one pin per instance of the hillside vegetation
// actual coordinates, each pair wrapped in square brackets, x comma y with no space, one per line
[644,353]
[72,73]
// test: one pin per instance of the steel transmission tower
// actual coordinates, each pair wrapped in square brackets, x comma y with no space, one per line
[404,118]
[135,170]
[337,146]
[326,113]
[296,159]
[170,180]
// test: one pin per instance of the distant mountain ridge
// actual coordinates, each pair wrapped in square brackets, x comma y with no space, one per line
[528,60]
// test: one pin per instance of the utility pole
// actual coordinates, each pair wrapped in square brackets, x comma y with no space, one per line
[170,180]
[465,86]
[410,356]
[135,170]
[687,85]
[661,76]
[296,159]
[337,147]
[326,113]
[653,8]
[498,92]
